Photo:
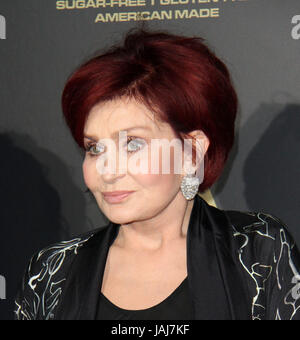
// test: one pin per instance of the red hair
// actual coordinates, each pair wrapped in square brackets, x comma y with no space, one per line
[177,77]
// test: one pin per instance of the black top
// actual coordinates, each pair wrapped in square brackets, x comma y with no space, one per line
[177,306]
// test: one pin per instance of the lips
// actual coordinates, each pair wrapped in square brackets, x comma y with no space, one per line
[115,193]
[116,196]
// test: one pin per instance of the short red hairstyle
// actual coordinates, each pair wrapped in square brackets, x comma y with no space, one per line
[177,77]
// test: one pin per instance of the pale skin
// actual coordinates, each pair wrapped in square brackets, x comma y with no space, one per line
[147,260]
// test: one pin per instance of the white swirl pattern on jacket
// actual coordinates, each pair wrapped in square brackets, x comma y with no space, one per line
[260,273]
[47,300]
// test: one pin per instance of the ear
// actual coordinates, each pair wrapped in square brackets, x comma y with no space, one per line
[200,142]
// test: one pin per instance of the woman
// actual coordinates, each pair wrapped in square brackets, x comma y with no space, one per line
[166,253]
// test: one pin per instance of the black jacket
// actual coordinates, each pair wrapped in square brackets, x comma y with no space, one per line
[241,265]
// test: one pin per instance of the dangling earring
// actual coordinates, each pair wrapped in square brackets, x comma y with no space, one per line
[189,186]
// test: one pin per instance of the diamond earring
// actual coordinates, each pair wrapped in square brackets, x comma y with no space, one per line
[189,186]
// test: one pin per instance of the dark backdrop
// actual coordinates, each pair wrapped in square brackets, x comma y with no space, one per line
[41,182]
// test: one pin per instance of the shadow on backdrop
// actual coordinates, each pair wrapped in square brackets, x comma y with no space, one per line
[271,170]
[218,187]
[30,214]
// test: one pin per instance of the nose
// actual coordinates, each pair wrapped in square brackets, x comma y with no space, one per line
[111,168]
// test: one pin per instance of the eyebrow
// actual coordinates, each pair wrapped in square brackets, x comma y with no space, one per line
[95,139]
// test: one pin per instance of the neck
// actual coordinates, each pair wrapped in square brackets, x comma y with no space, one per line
[157,233]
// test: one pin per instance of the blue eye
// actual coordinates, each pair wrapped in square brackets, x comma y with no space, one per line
[133,144]
[92,149]
[136,144]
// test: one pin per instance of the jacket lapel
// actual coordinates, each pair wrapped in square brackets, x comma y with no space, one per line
[204,276]
[83,285]
[223,256]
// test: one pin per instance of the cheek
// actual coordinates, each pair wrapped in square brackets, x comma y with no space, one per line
[162,182]
[88,170]
[165,179]
[156,181]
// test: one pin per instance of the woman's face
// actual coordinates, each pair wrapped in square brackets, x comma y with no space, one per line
[152,191]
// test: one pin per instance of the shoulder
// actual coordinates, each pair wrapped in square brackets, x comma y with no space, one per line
[43,279]
[55,255]
[66,247]
[250,221]
[259,229]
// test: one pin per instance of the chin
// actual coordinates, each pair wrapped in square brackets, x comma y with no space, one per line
[121,218]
